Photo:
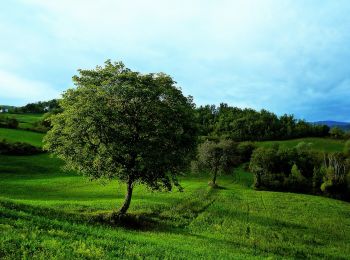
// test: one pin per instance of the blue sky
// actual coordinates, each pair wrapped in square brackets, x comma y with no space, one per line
[284,56]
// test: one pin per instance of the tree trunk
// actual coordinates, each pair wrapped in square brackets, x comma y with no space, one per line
[127,200]
[214,177]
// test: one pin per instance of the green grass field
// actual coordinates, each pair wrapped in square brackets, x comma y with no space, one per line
[17,135]
[321,144]
[47,213]
[26,120]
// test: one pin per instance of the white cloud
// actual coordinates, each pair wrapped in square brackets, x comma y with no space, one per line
[15,87]
[280,55]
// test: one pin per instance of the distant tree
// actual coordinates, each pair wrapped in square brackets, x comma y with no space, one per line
[8,122]
[39,107]
[336,132]
[218,157]
[120,124]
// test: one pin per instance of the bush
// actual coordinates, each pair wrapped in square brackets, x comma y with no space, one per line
[18,148]
[336,133]
[7,122]
[245,150]
[335,181]
[347,148]
[221,156]
[300,169]
[296,181]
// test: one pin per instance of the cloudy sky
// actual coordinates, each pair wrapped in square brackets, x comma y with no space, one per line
[285,56]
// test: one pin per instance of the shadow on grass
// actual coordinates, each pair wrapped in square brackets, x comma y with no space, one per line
[158,221]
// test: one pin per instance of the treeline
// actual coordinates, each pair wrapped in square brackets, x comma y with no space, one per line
[41,126]
[38,107]
[301,169]
[18,148]
[247,124]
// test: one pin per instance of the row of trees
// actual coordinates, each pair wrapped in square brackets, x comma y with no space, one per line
[18,148]
[250,125]
[301,169]
[38,107]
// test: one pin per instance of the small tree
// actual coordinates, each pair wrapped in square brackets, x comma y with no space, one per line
[336,132]
[120,124]
[218,157]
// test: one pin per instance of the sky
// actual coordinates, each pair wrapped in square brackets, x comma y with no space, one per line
[287,56]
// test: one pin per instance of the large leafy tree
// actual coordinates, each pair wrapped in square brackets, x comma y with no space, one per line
[120,124]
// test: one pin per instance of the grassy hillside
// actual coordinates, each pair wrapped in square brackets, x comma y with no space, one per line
[17,135]
[46,213]
[321,144]
[26,120]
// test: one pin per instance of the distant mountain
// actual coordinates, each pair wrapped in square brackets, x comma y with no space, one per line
[343,125]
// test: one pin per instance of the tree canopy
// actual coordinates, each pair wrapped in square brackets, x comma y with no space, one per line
[250,125]
[120,124]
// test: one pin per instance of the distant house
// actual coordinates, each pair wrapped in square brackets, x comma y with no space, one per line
[4,110]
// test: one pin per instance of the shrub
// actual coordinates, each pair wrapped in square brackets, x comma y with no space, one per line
[262,165]
[245,150]
[18,148]
[296,181]
[336,133]
[317,177]
[335,181]
[347,148]
[289,169]
[7,122]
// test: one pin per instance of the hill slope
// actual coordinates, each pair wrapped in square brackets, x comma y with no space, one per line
[46,213]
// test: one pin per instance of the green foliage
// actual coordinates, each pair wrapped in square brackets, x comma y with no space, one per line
[38,107]
[219,157]
[18,148]
[282,168]
[301,169]
[346,149]
[245,150]
[120,124]
[337,168]
[295,181]
[314,143]
[8,122]
[26,121]
[317,179]
[250,125]
[336,133]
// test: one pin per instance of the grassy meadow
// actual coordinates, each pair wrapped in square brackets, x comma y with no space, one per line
[47,213]
[26,120]
[18,135]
